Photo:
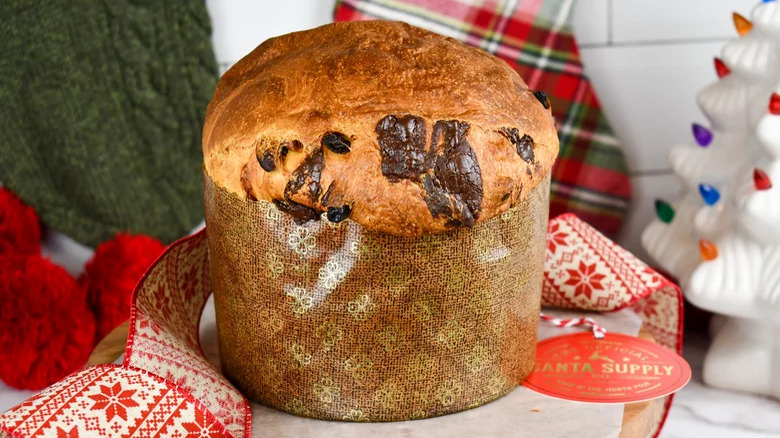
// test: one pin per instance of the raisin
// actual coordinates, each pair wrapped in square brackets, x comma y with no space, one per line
[267,162]
[338,214]
[336,142]
[542,97]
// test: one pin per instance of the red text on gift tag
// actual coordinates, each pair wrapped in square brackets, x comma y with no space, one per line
[616,369]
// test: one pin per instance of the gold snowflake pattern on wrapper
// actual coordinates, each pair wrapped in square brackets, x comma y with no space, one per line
[337,322]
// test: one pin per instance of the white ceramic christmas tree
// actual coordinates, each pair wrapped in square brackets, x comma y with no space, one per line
[721,239]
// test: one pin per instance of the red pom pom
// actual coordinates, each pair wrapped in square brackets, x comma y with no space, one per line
[112,274]
[20,230]
[46,328]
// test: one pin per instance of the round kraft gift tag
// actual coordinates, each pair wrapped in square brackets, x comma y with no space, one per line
[616,369]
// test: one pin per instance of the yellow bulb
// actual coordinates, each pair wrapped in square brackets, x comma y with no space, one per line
[742,24]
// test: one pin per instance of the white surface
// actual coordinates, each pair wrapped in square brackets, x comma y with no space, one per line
[649,95]
[673,20]
[241,25]
[590,21]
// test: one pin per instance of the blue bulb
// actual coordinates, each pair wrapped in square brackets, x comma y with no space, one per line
[710,194]
[767,1]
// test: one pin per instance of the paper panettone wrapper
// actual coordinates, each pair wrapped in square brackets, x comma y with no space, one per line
[338,322]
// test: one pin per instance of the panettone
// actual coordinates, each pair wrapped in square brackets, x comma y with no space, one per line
[376,207]
[400,129]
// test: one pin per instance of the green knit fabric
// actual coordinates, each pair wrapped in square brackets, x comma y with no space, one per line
[102,109]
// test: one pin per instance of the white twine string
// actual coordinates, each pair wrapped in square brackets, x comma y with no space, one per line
[598,331]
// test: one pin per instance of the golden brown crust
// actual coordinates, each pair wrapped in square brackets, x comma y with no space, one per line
[414,132]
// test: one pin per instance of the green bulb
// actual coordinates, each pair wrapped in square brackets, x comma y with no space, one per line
[664,211]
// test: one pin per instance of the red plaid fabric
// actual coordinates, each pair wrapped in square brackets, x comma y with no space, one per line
[534,37]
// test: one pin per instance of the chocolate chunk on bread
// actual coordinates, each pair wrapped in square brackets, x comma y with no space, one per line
[399,129]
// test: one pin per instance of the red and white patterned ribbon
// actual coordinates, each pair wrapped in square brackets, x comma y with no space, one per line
[167,388]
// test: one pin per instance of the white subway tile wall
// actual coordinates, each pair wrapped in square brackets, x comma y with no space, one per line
[647,60]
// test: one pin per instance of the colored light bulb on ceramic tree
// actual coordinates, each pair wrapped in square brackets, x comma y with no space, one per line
[761,180]
[709,194]
[702,135]
[742,24]
[774,104]
[721,68]
[708,250]
[664,211]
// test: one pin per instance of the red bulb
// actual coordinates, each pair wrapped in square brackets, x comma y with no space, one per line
[721,68]
[761,179]
[774,104]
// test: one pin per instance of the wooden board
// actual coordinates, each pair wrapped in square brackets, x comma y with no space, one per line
[638,418]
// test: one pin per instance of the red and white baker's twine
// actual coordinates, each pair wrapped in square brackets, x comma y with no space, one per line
[598,331]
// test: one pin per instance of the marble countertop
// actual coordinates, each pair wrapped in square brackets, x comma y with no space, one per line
[701,411]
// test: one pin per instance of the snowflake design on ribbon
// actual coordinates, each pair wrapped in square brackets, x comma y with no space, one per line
[72,433]
[201,427]
[114,401]
[585,280]
[300,300]
[556,237]
[332,274]
[302,241]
